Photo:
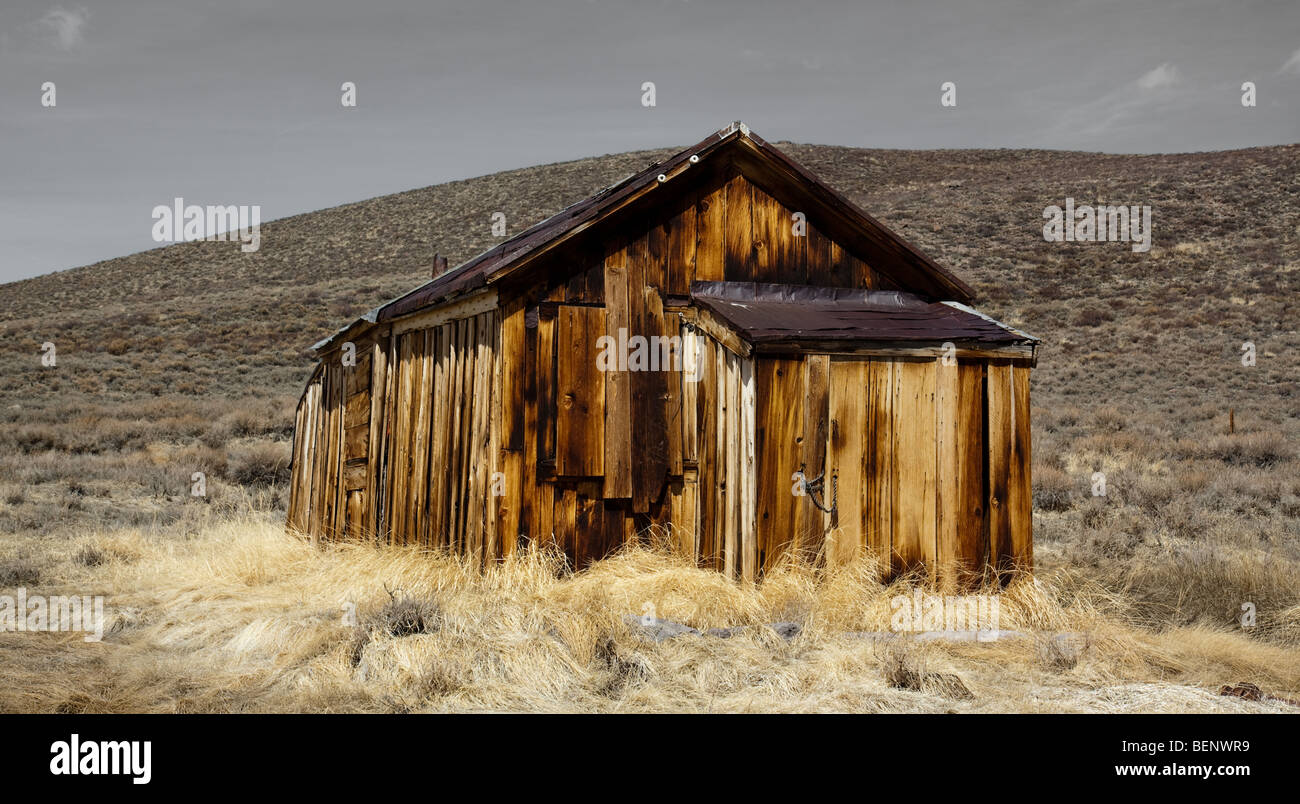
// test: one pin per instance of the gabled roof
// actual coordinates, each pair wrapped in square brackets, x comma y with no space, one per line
[514,254]
[768,313]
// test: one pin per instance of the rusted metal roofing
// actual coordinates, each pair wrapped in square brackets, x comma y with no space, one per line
[767,313]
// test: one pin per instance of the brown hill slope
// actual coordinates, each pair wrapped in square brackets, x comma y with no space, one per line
[202,318]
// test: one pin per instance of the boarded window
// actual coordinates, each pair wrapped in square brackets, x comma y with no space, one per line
[579,391]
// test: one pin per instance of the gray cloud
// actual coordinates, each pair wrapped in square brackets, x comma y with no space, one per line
[64,26]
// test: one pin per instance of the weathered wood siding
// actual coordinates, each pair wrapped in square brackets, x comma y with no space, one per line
[930,461]
[495,429]
[400,446]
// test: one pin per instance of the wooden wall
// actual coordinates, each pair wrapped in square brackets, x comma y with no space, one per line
[931,461]
[400,447]
[332,482]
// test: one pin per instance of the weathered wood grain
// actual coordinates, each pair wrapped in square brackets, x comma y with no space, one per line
[1019,480]
[813,523]
[915,466]
[618,389]
[780,425]
[580,393]
[1000,434]
[846,457]
[738,247]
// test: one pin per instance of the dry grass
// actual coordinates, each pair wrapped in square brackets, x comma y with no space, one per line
[238,616]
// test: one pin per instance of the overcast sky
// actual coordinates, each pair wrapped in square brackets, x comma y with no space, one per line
[237,102]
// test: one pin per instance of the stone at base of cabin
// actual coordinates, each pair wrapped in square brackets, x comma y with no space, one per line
[787,630]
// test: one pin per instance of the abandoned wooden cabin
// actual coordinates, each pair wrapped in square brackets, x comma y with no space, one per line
[720,348]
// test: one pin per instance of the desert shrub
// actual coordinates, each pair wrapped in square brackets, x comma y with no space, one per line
[1091,315]
[19,572]
[261,463]
[405,616]
[1094,514]
[1054,490]
[1150,494]
[906,669]
[1249,449]
[1290,505]
[105,550]
[244,422]
[202,458]
[36,438]
[217,435]
[90,556]
[1109,420]
[400,617]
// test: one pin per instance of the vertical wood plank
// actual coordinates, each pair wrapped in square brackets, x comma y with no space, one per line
[710,235]
[914,456]
[673,373]
[816,402]
[440,439]
[547,400]
[720,452]
[739,239]
[948,514]
[847,456]
[378,378]
[972,538]
[580,409]
[462,361]
[618,392]
[648,386]
[707,394]
[529,512]
[732,484]
[692,374]
[465,436]
[512,395]
[1019,483]
[481,405]
[680,266]
[749,477]
[1000,403]
[401,441]
[420,447]
[780,391]
[776,254]
[565,523]
[689,524]
[496,482]
[839,271]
